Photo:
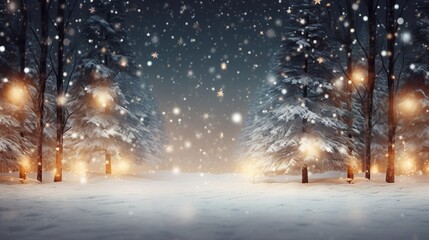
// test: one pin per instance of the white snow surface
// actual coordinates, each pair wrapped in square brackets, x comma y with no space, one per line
[165,205]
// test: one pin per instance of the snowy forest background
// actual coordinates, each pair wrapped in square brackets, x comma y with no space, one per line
[90,104]
[347,90]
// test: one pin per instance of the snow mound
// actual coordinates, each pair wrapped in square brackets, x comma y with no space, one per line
[358,180]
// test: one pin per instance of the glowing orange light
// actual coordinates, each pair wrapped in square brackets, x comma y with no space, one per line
[309,147]
[16,94]
[408,105]
[121,167]
[61,100]
[375,169]
[123,62]
[249,168]
[80,168]
[103,98]
[176,170]
[24,161]
[408,166]
[358,76]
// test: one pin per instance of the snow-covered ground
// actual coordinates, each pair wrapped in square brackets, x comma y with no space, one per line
[172,206]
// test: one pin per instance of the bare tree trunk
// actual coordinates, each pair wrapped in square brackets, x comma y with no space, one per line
[43,76]
[21,117]
[368,101]
[305,174]
[305,120]
[391,39]
[22,46]
[60,91]
[22,42]
[350,120]
[108,163]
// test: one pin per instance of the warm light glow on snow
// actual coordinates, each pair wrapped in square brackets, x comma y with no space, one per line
[121,167]
[374,168]
[83,179]
[80,169]
[249,168]
[176,170]
[408,166]
[25,163]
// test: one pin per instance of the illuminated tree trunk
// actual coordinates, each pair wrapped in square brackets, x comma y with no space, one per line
[391,39]
[22,168]
[369,93]
[22,46]
[304,120]
[305,174]
[108,163]
[40,96]
[22,172]
[60,92]
[349,51]
[349,119]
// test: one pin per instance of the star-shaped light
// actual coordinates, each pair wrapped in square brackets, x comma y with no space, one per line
[317,2]
[289,10]
[220,93]
[206,116]
[91,10]
[154,55]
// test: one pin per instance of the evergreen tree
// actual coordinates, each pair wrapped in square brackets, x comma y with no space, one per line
[256,136]
[10,139]
[98,115]
[128,126]
[144,120]
[413,98]
[301,122]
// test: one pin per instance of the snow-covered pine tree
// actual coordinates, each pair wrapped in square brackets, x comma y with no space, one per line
[301,122]
[9,139]
[10,147]
[146,124]
[132,128]
[98,115]
[414,133]
[255,137]
[15,104]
